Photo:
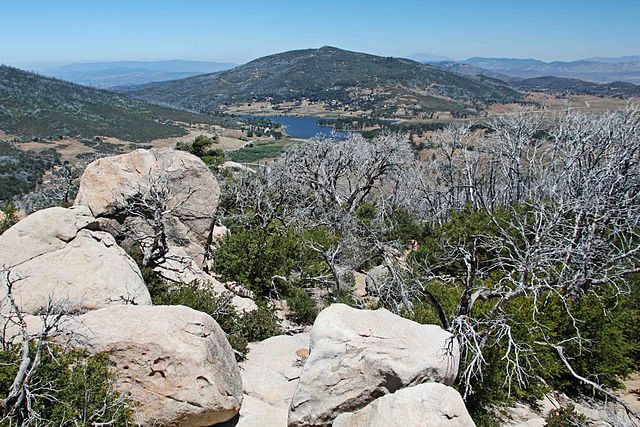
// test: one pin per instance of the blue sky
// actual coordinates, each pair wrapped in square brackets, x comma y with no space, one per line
[35,31]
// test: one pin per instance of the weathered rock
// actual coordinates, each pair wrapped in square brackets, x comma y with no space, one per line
[112,186]
[360,285]
[272,368]
[54,256]
[429,404]
[375,278]
[270,374]
[175,362]
[597,412]
[258,413]
[359,355]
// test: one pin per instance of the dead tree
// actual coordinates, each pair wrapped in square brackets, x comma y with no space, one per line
[16,332]
[324,183]
[34,337]
[151,206]
[564,200]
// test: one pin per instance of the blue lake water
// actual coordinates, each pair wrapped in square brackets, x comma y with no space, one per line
[303,127]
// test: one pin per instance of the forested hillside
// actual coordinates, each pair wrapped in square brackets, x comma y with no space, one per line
[343,79]
[34,105]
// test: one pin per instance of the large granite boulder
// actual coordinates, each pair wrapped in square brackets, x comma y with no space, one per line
[430,404]
[357,356]
[54,256]
[136,193]
[270,375]
[174,362]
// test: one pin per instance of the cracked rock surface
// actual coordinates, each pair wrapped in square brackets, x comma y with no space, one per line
[357,356]
[55,255]
[175,362]
[429,404]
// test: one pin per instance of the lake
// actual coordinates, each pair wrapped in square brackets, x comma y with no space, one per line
[302,127]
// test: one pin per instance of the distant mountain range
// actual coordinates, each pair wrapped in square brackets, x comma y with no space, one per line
[470,70]
[547,82]
[120,73]
[575,86]
[33,105]
[615,59]
[599,70]
[340,79]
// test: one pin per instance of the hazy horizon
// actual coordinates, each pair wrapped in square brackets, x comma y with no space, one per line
[37,66]
[69,31]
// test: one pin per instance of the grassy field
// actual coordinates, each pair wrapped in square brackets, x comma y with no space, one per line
[259,151]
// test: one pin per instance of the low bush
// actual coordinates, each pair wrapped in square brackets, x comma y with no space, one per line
[69,388]
[8,216]
[303,307]
[566,416]
[241,328]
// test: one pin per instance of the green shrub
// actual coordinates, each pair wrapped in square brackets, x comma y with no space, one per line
[253,326]
[8,216]
[214,157]
[255,256]
[566,416]
[69,388]
[201,147]
[302,306]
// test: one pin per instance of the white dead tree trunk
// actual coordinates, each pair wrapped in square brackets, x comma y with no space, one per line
[152,205]
[32,345]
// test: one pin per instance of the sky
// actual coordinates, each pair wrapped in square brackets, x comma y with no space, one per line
[34,32]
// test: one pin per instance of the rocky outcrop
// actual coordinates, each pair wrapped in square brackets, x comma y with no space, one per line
[174,362]
[375,277]
[357,356]
[597,412]
[55,256]
[430,404]
[135,194]
[270,375]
